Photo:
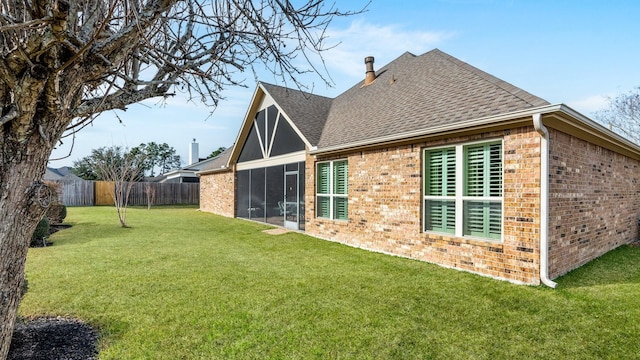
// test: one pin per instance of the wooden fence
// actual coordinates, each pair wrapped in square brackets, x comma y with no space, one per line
[89,193]
[78,193]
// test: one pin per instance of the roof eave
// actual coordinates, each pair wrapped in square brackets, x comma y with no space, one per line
[585,128]
[212,171]
[259,92]
[489,121]
[571,117]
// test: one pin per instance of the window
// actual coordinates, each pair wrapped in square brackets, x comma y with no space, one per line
[440,190]
[331,190]
[463,190]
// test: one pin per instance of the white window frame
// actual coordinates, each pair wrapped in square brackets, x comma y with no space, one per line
[331,195]
[459,197]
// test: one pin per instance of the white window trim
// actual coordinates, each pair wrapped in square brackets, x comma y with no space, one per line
[459,198]
[331,194]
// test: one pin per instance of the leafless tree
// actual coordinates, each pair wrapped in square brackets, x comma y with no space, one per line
[64,62]
[123,169]
[623,114]
[150,192]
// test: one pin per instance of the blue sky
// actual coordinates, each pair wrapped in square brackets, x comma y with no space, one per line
[572,52]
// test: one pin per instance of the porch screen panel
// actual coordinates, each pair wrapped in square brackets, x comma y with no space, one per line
[301,194]
[261,126]
[257,199]
[242,194]
[286,140]
[252,149]
[272,114]
[274,209]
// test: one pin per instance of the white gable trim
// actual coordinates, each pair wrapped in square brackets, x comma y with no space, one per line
[273,161]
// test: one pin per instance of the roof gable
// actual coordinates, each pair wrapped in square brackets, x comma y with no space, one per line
[307,111]
[419,92]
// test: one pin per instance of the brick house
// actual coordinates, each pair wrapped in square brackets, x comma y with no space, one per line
[432,159]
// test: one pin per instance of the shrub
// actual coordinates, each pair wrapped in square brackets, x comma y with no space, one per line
[57,213]
[56,191]
[42,231]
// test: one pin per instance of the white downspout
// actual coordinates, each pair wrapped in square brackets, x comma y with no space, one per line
[544,200]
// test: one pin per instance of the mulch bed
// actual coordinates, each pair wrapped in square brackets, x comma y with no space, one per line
[53,339]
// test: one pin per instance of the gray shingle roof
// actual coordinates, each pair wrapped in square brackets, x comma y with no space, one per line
[60,174]
[417,92]
[307,111]
[219,162]
[410,94]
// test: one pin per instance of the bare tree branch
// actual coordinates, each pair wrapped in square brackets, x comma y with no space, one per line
[64,62]
[623,114]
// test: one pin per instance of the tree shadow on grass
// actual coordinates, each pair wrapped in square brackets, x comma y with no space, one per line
[618,266]
[87,232]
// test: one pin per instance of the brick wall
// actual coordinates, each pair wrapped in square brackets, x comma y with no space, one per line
[385,205]
[594,201]
[217,193]
[594,205]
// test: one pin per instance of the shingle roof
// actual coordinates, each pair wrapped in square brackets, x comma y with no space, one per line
[60,174]
[307,111]
[219,162]
[417,92]
[411,93]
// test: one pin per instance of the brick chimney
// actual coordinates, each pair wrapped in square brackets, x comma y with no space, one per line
[370,74]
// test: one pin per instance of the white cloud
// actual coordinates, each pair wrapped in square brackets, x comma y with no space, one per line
[385,43]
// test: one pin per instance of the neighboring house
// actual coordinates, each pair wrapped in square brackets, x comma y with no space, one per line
[186,174]
[433,159]
[62,174]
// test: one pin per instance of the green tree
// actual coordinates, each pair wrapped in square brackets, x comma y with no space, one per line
[84,169]
[161,157]
[216,152]
[65,62]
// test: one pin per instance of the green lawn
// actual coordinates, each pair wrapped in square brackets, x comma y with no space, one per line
[181,284]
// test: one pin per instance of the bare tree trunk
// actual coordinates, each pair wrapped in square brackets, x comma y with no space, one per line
[64,62]
[22,204]
[150,191]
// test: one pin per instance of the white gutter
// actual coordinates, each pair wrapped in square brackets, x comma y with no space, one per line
[211,171]
[484,121]
[581,122]
[544,200]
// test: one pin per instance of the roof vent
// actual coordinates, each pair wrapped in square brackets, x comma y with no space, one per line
[370,74]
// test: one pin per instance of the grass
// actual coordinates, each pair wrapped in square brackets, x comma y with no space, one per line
[182,284]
